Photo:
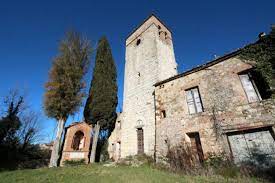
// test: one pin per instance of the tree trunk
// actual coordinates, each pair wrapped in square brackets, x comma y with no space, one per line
[95,139]
[57,143]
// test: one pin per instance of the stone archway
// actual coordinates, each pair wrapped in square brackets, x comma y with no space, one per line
[139,123]
[140,136]
[78,141]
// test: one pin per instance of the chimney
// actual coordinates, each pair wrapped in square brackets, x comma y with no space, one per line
[261,35]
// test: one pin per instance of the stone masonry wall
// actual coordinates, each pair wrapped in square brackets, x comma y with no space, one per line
[142,70]
[219,85]
[115,138]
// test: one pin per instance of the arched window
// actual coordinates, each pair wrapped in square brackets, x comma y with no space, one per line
[78,141]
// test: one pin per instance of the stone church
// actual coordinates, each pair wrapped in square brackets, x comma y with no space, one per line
[222,106]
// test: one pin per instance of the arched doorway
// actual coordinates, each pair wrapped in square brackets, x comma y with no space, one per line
[78,141]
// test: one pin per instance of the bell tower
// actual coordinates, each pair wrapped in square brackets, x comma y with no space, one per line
[149,59]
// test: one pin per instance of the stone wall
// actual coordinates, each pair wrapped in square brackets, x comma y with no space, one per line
[68,152]
[114,141]
[148,62]
[220,88]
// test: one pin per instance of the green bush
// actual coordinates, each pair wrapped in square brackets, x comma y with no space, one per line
[221,165]
[74,162]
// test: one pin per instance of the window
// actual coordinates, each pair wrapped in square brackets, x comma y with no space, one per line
[119,125]
[194,100]
[113,147]
[250,88]
[138,42]
[163,114]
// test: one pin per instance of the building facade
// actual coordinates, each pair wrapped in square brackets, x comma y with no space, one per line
[217,108]
[149,59]
[77,140]
[220,107]
[114,147]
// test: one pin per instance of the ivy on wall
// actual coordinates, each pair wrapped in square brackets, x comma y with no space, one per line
[262,56]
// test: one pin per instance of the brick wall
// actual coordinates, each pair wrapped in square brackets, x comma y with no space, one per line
[68,152]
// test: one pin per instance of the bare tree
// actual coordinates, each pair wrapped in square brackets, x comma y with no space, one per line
[30,131]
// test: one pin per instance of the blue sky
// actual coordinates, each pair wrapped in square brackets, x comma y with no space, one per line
[31,30]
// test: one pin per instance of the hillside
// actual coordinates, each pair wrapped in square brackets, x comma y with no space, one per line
[100,173]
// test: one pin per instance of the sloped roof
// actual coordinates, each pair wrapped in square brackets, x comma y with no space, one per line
[200,67]
[77,123]
[215,61]
[152,15]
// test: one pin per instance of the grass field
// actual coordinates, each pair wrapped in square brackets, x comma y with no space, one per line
[99,173]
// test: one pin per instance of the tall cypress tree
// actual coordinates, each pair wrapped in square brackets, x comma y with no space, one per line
[100,108]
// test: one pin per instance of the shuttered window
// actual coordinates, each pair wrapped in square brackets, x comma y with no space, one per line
[249,88]
[194,100]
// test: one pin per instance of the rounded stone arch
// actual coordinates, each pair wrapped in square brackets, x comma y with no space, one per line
[140,136]
[78,140]
[140,122]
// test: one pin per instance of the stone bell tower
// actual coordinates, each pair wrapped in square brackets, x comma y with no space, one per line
[149,59]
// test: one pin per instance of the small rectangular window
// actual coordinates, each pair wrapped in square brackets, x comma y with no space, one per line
[119,125]
[194,100]
[250,88]
[163,114]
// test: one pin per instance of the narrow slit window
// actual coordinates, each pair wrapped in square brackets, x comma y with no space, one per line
[119,125]
[163,114]
[138,42]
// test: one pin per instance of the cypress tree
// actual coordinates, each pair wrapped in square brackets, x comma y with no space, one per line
[100,108]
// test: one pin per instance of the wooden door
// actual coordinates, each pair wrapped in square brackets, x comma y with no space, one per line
[256,146]
[196,146]
[140,141]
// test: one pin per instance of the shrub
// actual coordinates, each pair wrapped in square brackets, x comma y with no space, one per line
[28,158]
[74,162]
[180,158]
